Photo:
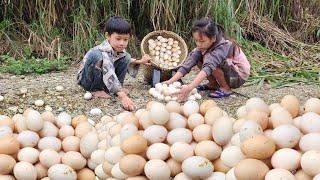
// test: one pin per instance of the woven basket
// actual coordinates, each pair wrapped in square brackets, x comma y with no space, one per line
[167,34]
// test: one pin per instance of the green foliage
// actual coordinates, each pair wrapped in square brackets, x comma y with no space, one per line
[32,65]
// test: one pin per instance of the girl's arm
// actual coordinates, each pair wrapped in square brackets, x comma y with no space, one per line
[199,78]
[174,78]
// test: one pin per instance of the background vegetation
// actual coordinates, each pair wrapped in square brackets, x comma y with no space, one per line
[281,37]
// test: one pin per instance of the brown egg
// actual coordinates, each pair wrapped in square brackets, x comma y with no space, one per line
[137,178]
[149,104]
[208,149]
[248,169]
[82,129]
[173,106]
[207,104]
[195,120]
[175,167]
[48,116]
[134,145]
[258,147]
[42,171]
[260,117]
[7,177]
[115,130]
[292,104]
[74,159]
[312,105]
[9,145]
[6,164]
[66,131]
[78,119]
[301,175]
[71,143]
[7,122]
[130,118]
[280,116]
[86,174]
[107,167]
[219,166]
[213,114]
[20,123]
[132,164]
[202,132]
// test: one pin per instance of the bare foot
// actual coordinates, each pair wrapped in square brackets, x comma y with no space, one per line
[125,90]
[101,94]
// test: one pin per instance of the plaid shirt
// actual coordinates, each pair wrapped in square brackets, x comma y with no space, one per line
[110,56]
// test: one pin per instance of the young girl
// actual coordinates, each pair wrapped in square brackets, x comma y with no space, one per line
[221,61]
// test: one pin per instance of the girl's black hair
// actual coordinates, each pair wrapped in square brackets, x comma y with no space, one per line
[208,27]
[117,24]
[211,29]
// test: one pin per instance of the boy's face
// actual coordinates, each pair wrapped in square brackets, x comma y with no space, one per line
[118,42]
[202,41]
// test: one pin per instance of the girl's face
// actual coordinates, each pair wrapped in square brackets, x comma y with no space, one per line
[203,42]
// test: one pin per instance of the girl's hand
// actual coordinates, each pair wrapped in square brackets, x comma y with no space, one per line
[183,93]
[167,82]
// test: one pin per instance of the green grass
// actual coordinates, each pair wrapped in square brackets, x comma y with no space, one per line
[32,65]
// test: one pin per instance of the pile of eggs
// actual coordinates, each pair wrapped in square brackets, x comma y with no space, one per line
[164,92]
[167,141]
[165,52]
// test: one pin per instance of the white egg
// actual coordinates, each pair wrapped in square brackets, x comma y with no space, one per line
[25,170]
[1,98]
[155,134]
[59,88]
[95,112]
[5,131]
[48,108]
[190,107]
[63,119]
[39,103]
[197,96]
[179,135]
[61,171]
[309,142]
[197,167]
[158,151]
[248,129]
[157,169]
[222,130]
[286,136]
[87,96]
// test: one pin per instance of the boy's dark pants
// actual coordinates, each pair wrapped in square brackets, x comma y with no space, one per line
[92,72]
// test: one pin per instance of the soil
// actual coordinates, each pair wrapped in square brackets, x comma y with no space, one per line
[71,98]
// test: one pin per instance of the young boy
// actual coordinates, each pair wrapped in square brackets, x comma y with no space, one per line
[105,66]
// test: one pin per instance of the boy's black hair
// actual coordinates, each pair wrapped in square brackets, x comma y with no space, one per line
[117,24]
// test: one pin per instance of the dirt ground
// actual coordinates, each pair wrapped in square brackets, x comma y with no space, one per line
[71,99]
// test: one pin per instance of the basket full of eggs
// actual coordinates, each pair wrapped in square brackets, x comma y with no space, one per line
[167,49]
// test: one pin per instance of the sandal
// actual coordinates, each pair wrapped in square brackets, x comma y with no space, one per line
[204,87]
[219,94]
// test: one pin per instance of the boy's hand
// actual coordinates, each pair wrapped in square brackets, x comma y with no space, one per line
[145,60]
[128,104]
